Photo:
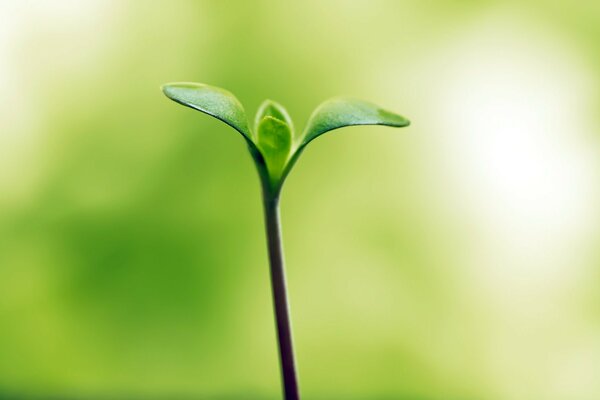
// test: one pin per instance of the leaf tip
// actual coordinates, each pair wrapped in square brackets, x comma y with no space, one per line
[393,119]
[170,88]
[273,109]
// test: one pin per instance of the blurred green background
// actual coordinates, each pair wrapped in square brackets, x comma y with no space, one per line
[455,259]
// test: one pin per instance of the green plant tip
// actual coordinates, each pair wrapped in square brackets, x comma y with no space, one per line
[273,142]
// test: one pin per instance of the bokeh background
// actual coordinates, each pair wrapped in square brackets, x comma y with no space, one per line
[455,259]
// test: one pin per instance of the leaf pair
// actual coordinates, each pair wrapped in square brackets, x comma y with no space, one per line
[273,143]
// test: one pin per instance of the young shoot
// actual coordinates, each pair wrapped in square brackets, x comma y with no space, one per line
[275,147]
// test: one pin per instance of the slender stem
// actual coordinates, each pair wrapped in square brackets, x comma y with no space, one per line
[280,300]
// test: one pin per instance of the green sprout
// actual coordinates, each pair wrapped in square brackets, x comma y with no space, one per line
[275,147]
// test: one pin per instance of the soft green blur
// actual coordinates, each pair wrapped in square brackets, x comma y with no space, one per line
[455,259]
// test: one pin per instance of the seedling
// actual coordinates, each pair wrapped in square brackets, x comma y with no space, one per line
[275,147]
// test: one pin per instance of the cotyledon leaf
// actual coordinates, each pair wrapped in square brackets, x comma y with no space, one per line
[340,112]
[337,113]
[213,101]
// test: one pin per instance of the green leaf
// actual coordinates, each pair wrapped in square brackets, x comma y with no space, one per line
[340,112]
[275,143]
[270,108]
[213,101]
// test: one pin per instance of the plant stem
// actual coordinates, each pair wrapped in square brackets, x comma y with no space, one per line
[280,300]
